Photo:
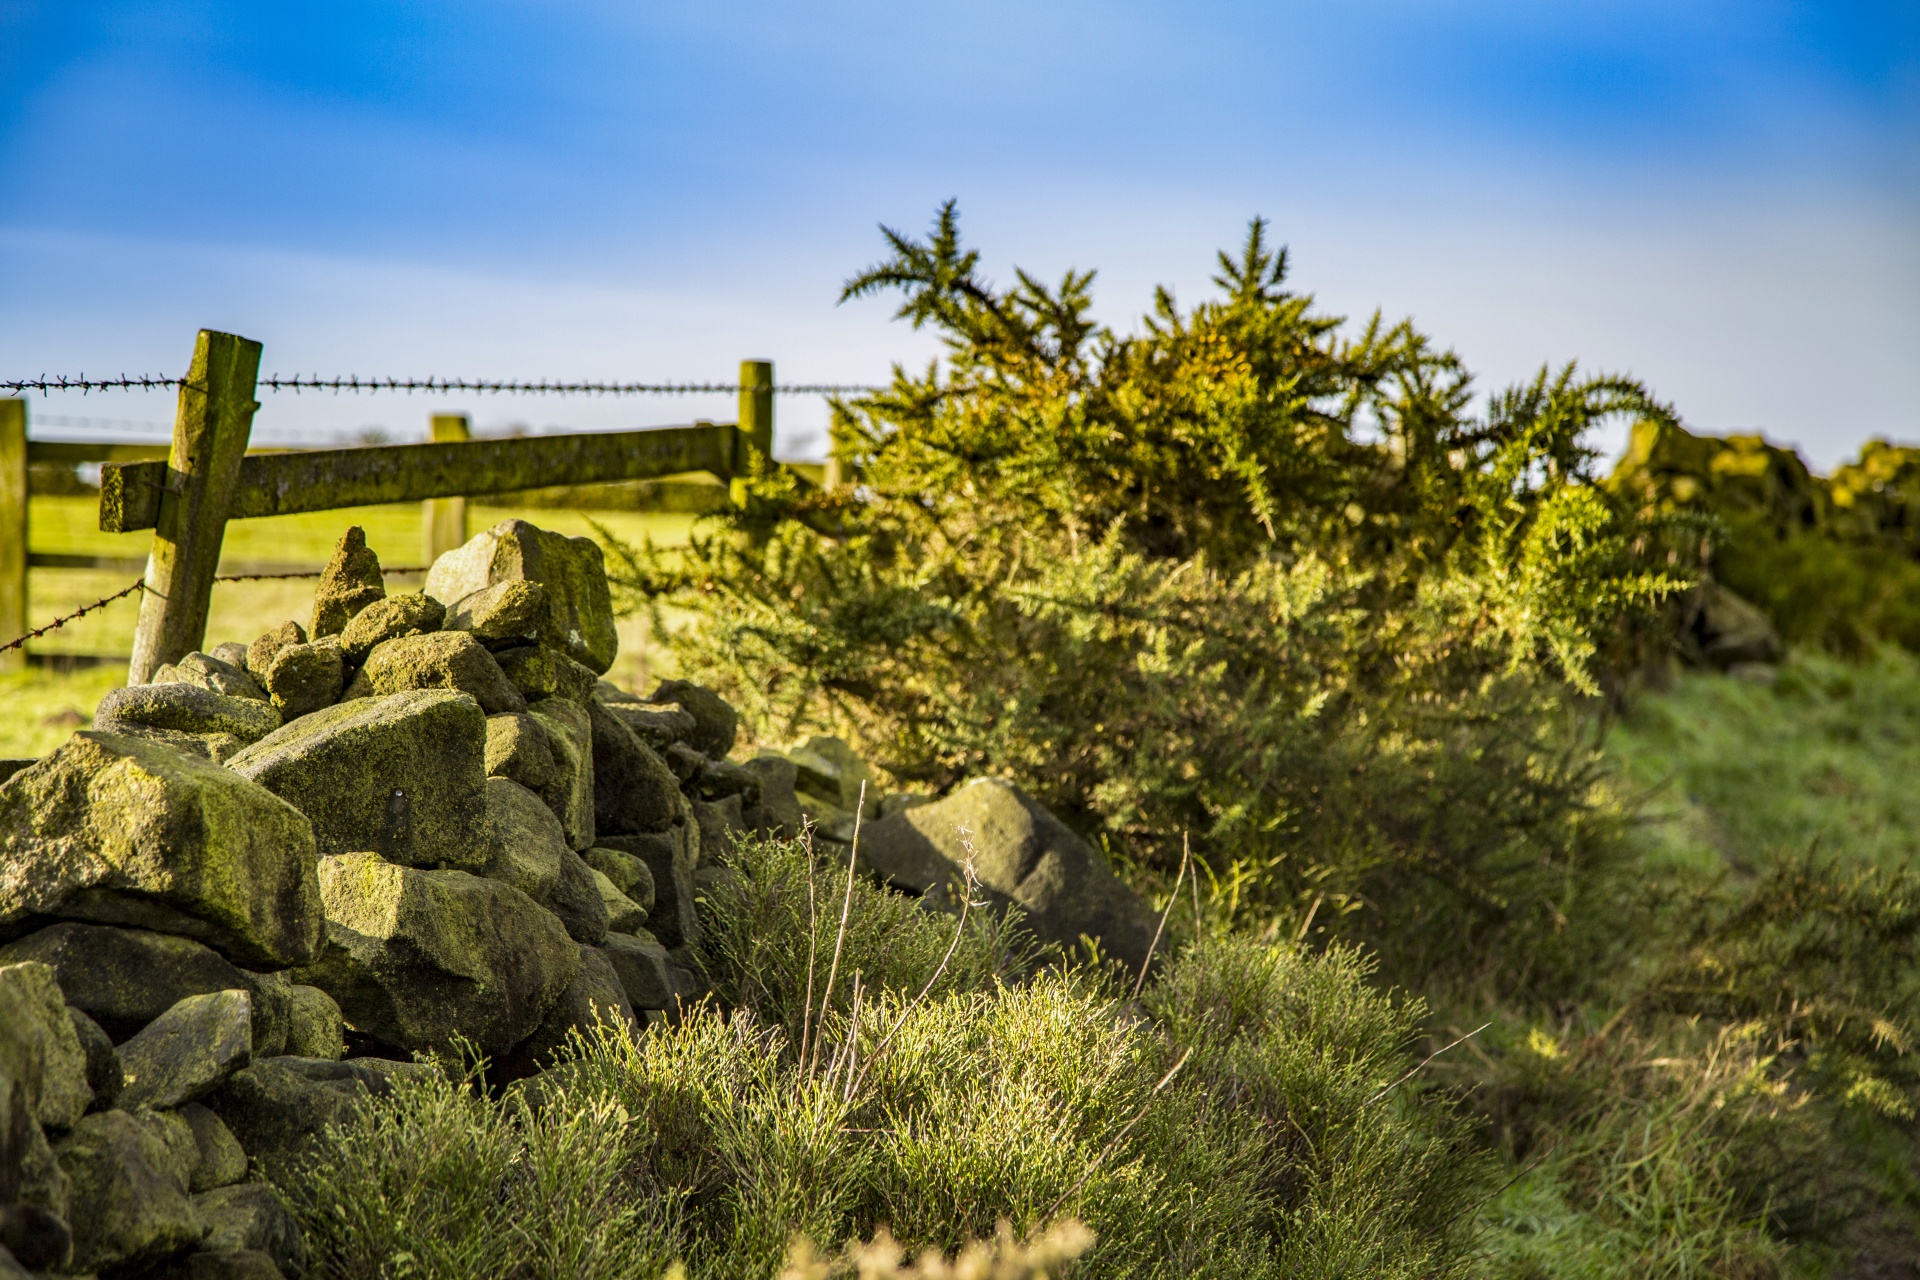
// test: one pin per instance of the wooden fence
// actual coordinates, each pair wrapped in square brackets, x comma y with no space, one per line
[188,492]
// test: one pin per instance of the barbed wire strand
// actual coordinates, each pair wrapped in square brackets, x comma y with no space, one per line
[353,382]
[140,584]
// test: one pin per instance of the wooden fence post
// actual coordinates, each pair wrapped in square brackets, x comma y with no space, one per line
[13,530]
[443,521]
[210,431]
[756,420]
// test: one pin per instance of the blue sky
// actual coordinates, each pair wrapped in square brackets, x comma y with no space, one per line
[1721,198]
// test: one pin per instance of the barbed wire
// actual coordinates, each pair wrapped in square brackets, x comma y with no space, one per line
[140,584]
[353,382]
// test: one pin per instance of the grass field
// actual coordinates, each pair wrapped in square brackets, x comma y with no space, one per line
[38,708]
[1823,757]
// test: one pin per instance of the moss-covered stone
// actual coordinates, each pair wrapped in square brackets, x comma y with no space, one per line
[187,708]
[577,901]
[129,1208]
[261,653]
[218,674]
[125,978]
[176,1135]
[778,810]
[442,660]
[579,613]
[539,671]
[623,914]
[391,618]
[400,775]
[302,678]
[222,1162]
[1020,852]
[247,1218]
[633,790]
[517,749]
[350,582]
[721,823]
[115,829]
[660,727]
[595,996]
[673,919]
[315,1028]
[629,874]
[103,1061]
[640,962]
[278,1113]
[506,613]
[716,724]
[417,958]
[39,1048]
[570,743]
[524,840]
[187,1052]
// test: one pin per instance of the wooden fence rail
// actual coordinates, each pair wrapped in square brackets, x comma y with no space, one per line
[186,493]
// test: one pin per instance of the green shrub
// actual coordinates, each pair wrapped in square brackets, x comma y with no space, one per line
[1240,576]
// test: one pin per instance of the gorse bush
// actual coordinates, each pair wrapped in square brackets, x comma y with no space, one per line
[1239,575]
[1267,1139]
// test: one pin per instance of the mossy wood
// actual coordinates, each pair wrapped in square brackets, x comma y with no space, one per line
[326,479]
[443,523]
[13,529]
[210,432]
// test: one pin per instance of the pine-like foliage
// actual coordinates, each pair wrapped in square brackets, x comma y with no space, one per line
[1242,574]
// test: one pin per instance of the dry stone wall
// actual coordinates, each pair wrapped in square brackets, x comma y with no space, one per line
[243,900]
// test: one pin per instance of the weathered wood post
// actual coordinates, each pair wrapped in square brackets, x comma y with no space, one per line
[443,521]
[210,432]
[13,530]
[756,421]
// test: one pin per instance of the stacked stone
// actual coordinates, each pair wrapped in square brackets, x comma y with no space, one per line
[421,820]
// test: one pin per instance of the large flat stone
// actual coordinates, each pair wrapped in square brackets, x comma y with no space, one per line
[524,840]
[1021,852]
[399,775]
[416,958]
[116,829]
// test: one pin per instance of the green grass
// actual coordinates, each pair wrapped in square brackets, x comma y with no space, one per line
[1822,757]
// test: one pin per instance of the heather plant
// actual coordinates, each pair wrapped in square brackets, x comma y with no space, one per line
[936,1102]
